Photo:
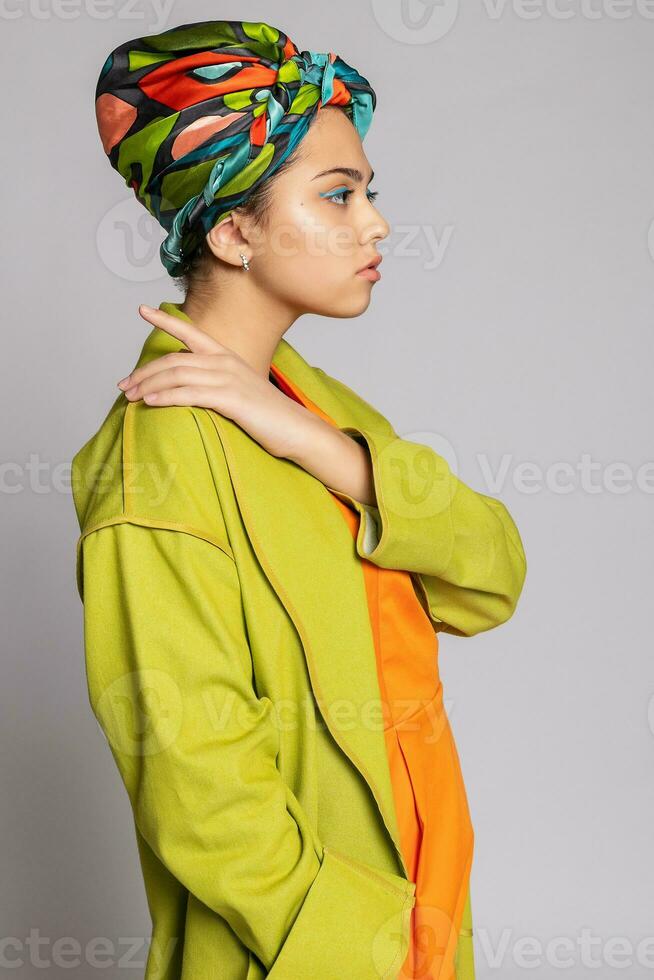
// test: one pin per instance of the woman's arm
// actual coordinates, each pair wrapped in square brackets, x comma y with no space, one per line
[170,679]
[464,545]
[336,459]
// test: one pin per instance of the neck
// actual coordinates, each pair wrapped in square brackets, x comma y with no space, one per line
[244,320]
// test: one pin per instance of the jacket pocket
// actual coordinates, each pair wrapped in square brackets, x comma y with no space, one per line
[354,922]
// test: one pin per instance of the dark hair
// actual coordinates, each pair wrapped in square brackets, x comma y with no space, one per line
[196,267]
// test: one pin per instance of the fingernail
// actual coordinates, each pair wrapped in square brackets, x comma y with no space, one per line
[123,384]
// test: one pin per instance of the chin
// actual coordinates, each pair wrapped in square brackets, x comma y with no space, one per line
[340,299]
[347,311]
[351,305]
[361,305]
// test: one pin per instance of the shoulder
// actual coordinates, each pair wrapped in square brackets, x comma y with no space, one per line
[154,466]
[352,407]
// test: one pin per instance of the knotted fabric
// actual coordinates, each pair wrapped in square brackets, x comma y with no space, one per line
[195,118]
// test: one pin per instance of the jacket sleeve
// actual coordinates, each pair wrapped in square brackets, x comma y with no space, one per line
[170,680]
[463,545]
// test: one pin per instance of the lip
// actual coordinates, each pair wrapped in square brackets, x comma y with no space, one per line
[369,273]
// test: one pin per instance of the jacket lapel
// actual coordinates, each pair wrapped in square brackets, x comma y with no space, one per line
[308,555]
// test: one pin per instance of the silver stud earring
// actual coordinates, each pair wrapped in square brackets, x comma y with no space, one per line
[245,262]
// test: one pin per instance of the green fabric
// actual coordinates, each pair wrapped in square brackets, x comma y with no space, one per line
[231,667]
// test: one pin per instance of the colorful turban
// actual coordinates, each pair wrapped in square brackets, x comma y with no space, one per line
[195,118]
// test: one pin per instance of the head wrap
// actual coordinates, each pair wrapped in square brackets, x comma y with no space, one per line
[195,118]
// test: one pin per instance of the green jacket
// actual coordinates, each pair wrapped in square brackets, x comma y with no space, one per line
[230,664]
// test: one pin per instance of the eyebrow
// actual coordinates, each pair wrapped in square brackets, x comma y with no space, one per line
[351,172]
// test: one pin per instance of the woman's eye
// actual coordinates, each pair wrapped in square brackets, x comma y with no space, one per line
[340,197]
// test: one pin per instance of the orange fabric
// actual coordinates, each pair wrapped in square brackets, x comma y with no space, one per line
[436,835]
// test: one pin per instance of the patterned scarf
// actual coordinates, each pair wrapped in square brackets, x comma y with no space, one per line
[195,118]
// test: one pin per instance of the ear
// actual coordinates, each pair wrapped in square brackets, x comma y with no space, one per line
[227,239]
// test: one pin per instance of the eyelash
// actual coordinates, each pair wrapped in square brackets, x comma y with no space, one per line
[372,195]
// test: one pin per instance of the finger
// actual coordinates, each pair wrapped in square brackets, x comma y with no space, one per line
[198,341]
[164,362]
[197,395]
[176,377]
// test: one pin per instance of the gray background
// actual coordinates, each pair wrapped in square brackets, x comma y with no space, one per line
[520,139]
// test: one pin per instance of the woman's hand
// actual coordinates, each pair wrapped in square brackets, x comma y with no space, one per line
[210,375]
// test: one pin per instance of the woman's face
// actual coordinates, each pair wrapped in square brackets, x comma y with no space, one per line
[322,227]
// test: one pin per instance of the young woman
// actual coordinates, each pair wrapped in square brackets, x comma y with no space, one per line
[265,564]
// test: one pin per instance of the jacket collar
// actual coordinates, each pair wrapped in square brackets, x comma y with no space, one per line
[289,516]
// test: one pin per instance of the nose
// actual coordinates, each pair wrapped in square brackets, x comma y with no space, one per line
[376,228]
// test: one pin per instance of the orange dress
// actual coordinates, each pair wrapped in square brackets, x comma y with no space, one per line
[436,834]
